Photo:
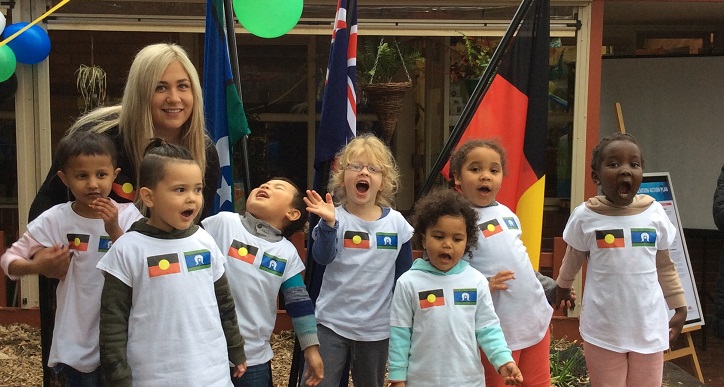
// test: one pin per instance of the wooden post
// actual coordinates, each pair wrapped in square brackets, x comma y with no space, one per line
[619,117]
[687,350]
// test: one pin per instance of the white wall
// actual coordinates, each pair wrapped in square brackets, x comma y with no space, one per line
[675,108]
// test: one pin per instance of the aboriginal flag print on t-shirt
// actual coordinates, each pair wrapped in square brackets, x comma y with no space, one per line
[78,242]
[159,265]
[243,252]
[490,228]
[608,239]
[197,260]
[123,188]
[643,237]
[356,240]
[430,298]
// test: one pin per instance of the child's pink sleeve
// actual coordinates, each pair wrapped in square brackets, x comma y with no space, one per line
[24,248]
[572,262]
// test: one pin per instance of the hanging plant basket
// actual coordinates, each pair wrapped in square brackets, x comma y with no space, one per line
[386,100]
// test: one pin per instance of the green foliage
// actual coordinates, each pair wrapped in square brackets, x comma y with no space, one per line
[474,59]
[568,365]
[386,53]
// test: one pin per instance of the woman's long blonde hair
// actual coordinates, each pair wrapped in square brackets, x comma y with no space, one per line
[133,116]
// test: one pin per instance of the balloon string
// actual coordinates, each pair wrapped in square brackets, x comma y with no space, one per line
[43,16]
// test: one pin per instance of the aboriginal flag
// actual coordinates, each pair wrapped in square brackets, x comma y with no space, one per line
[430,298]
[490,228]
[78,242]
[356,240]
[514,111]
[607,239]
[159,265]
[123,188]
[243,252]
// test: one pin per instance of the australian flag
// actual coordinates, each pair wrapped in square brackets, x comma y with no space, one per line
[223,110]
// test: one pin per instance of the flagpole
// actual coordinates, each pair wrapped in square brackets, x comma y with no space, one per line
[477,95]
[234,60]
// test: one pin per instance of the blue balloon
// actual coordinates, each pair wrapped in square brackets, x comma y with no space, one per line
[30,47]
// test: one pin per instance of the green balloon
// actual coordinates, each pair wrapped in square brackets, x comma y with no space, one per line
[268,18]
[7,63]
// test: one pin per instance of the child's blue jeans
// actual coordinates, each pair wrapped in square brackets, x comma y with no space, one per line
[255,376]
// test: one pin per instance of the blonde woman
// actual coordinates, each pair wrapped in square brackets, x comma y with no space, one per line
[162,98]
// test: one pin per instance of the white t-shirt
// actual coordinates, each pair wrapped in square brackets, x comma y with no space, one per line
[623,306]
[523,309]
[443,347]
[256,269]
[354,300]
[78,296]
[175,337]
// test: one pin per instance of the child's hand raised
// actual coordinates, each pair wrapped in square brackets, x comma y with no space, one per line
[109,213]
[497,282]
[322,208]
[511,374]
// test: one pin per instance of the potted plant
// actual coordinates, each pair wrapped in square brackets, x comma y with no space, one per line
[470,62]
[91,83]
[379,69]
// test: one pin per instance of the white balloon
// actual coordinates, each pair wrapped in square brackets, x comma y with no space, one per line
[2,22]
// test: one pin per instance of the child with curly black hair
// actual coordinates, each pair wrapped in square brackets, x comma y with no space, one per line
[441,307]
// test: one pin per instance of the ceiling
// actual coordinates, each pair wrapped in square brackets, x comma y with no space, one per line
[663,13]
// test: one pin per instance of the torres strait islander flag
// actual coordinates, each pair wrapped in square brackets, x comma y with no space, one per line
[243,252]
[224,113]
[515,112]
[78,242]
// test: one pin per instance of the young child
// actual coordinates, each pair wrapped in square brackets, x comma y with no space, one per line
[167,314]
[477,169]
[88,226]
[260,262]
[441,308]
[366,247]
[630,279]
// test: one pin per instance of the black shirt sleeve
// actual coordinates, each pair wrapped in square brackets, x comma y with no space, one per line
[211,178]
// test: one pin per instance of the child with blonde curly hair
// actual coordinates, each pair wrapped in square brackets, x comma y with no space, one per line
[365,245]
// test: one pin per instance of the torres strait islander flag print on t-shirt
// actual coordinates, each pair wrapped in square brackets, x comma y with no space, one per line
[159,265]
[104,244]
[197,260]
[608,239]
[272,264]
[78,242]
[356,240]
[430,298]
[243,252]
[643,237]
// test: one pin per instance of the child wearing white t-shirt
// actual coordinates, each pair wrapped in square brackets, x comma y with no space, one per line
[88,226]
[260,262]
[365,245]
[167,313]
[630,278]
[442,310]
